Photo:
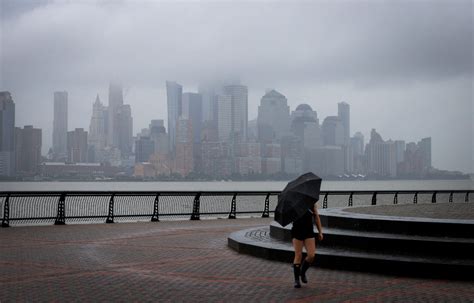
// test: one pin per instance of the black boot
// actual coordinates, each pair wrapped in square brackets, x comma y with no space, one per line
[304,268]
[296,272]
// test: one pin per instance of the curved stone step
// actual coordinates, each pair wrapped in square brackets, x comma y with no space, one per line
[341,219]
[377,242]
[257,242]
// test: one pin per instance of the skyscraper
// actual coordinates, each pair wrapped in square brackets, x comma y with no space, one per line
[28,149]
[357,143]
[125,130]
[209,100]
[224,117]
[305,125]
[98,126]
[273,117]
[343,112]
[239,96]
[144,148]
[381,158]
[174,94]
[77,146]
[424,147]
[60,126]
[7,134]
[192,110]
[115,103]
[333,131]
[184,147]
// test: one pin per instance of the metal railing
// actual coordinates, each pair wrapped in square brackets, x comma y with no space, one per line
[61,207]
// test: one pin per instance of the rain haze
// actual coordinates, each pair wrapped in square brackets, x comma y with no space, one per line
[405,67]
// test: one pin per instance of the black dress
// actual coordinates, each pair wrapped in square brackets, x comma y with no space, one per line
[303,227]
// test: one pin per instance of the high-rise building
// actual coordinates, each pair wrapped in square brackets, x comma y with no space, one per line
[305,125]
[77,146]
[159,136]
[192,109]
[60,126]
[273,117]
[399,151]
[7,134]
[209,100]
[425,149]
[174,93]
[325,160]
[216,159]
[125,130]
[239,97]
[381,158]
[224,117]
[292,154]
[98,126]
[271,158]
[115,103]
[184,147]
[28,149]
[333,131]
[357,143]
[248,158]
[343,112]
[144,148]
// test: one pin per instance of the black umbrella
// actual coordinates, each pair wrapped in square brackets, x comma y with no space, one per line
[299,195]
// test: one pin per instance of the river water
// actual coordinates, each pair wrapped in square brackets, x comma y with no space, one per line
[231,186]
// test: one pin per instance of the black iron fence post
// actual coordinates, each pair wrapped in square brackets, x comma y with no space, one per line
[6,212]
[433,198]
[350,199]
[156,212]
[61,216]
[415,198]
[374,198]
[325,201]
[266,209]
[395,198]
[232,214]
[196,205]
[110,215]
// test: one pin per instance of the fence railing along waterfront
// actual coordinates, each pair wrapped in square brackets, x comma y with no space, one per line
[61,207]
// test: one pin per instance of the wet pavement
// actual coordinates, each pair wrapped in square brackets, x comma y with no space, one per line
[181,261]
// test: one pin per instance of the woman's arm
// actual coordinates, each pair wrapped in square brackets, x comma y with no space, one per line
[318,223]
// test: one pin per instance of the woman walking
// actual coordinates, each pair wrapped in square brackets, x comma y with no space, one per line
[303,235]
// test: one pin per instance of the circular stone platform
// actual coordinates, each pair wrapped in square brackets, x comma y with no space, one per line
[388,238]
[460,211]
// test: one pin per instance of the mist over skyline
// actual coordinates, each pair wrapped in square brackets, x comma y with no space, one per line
[405,68]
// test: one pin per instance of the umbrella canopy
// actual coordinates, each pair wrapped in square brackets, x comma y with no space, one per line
[297,197]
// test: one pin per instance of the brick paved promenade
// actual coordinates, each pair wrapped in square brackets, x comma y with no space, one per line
[185,261]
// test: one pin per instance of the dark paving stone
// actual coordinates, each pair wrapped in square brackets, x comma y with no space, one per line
[181,262]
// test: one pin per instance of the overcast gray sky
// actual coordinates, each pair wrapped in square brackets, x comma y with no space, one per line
[405,67]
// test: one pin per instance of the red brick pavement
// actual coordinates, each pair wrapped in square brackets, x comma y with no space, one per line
[186,261]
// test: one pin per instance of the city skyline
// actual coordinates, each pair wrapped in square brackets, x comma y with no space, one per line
[408,80]
[184,92]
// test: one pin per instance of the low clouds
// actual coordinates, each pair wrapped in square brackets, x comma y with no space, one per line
[311,51]
[87,41]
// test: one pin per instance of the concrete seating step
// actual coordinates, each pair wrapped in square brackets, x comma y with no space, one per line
[258,242]
[388,243]
[417,226]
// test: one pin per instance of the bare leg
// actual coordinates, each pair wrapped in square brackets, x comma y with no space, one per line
[310,245]
[298,247]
